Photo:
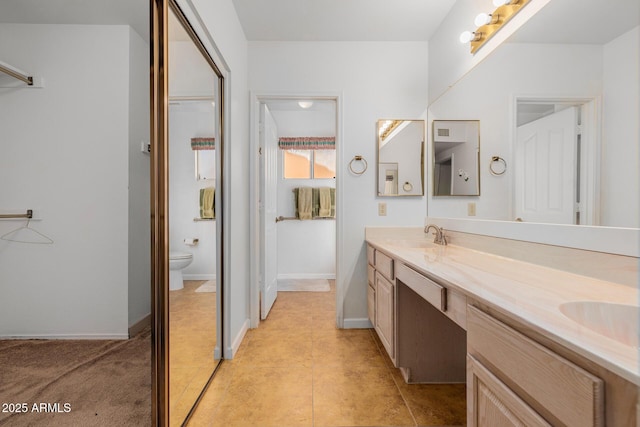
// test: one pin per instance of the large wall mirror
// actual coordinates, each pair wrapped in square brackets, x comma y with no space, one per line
[400,157]
[559,105]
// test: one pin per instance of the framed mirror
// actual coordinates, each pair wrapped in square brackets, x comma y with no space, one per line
[400,157]
[456,156]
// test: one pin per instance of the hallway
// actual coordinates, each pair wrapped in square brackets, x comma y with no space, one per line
[297,369]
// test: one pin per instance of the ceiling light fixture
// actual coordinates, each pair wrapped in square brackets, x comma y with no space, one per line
[490,23]
[305,104]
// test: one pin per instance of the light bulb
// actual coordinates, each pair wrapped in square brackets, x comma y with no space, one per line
[305,104]
[466,37]
[482,19]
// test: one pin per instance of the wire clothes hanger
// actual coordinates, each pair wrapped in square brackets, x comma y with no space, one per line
[14,236]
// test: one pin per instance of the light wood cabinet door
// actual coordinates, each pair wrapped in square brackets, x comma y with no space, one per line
[384,316]
[492,404]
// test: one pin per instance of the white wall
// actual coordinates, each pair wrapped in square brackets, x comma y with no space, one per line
[487,94]
[139,188]
[223,26]
[621,152]
[306,249]
[65,154]
[376,80]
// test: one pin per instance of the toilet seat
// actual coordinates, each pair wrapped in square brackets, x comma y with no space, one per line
[179,255]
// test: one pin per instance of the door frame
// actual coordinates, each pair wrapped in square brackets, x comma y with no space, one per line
[591,140]
[254,196]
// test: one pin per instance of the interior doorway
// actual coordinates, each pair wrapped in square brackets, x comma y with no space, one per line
[297,150]
[555,155]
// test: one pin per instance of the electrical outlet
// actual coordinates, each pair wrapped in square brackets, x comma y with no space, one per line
[382,209]
[471,209]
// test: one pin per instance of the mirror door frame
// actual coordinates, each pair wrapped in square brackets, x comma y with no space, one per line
[159,153]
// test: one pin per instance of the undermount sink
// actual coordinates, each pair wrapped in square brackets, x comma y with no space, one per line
[616,321]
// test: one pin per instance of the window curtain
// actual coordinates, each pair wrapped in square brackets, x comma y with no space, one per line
[203,143]
[307,143]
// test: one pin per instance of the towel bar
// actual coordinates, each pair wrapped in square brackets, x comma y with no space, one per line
[291,218]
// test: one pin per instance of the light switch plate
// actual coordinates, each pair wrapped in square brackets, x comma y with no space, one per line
[382,209]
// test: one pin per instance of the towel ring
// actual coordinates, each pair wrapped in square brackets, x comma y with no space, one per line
[501,166]
[358,159]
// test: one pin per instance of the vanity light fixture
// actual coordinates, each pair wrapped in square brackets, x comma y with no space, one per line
[489,23]
[305,104]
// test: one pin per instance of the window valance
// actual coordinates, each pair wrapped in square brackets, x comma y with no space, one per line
[203,143]
[307,143]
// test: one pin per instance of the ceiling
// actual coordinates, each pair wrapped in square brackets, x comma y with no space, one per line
[341,20]
[134,13]
[580,21]
[564,21]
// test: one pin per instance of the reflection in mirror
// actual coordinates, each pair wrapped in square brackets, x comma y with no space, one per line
[456,149]
[194,131]
[551,62]
[400,157]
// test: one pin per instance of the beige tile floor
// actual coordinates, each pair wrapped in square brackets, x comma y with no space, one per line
[297,369]
[192,338]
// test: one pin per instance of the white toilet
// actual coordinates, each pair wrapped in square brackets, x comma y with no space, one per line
[178,261]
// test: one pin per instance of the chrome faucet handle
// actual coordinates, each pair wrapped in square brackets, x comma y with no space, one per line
[438,236]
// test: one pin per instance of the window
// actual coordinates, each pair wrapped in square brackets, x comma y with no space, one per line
[308,157]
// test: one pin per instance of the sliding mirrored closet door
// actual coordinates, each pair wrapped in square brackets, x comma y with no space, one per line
[188,221]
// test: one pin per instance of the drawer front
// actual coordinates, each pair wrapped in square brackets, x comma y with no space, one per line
[435,294]
[562,390]
[371,275]
[371,303]
[371,255]
[384,265]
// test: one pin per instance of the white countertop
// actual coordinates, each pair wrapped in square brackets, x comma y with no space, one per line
[526,292]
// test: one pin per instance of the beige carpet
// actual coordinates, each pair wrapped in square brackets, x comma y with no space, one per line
[103,382]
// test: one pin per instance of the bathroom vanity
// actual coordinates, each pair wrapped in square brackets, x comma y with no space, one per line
[536,346]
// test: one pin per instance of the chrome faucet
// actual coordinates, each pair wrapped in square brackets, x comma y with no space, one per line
[438,237]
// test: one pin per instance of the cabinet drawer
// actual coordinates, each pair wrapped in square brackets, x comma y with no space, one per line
[371,255]
[435,294]
[371,275]
[384,265]
[558,389]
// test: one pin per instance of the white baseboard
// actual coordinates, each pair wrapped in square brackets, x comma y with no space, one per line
[138,326]
[362,323]
[198,276]
[66,337]
[328,276]
[235,345]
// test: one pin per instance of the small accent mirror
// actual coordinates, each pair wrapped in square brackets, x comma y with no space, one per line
[401,157]
[456,157]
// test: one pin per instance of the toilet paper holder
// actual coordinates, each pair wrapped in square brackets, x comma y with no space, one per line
[191,242]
